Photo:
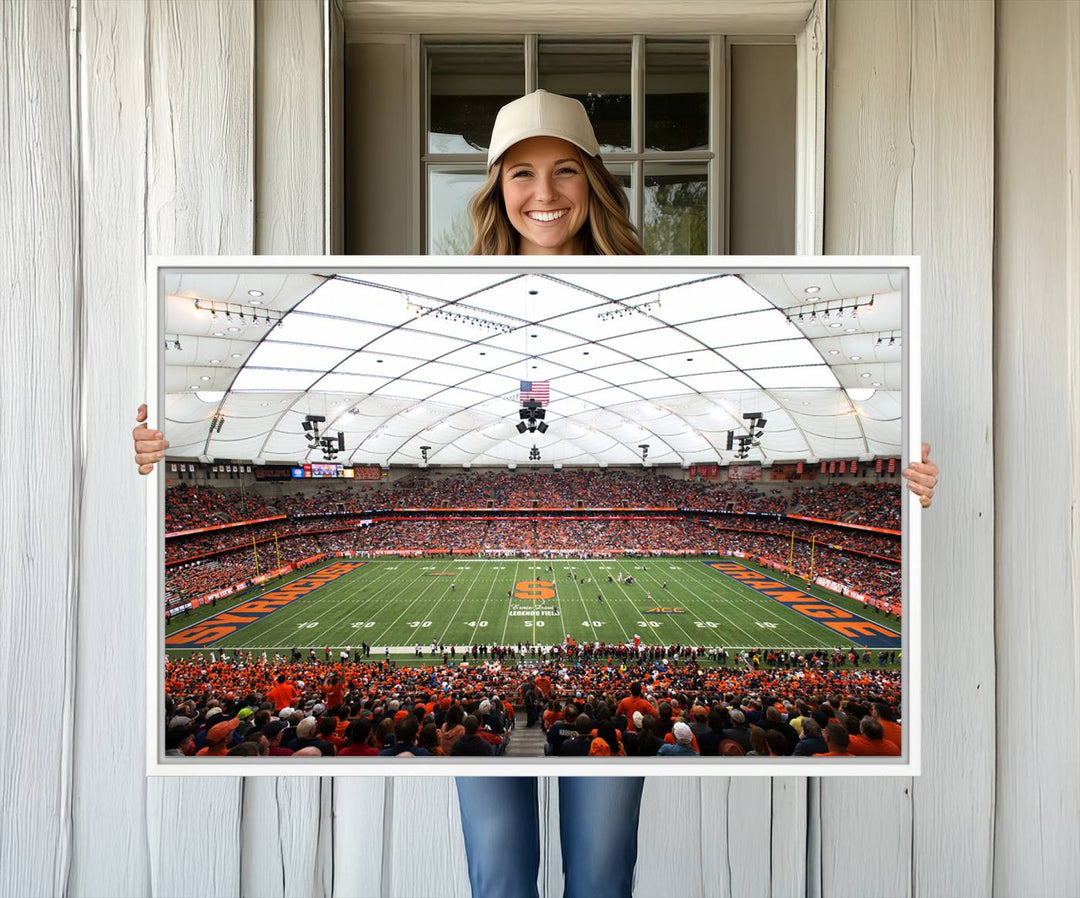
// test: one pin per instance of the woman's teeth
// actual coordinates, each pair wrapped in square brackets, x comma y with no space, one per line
[546,216]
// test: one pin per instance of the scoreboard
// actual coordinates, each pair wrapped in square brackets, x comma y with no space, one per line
[322,470]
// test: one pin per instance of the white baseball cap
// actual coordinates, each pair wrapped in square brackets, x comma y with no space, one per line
[541,114]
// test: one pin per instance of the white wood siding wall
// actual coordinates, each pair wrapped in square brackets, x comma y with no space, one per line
[1037,447]
[184,127]
[909,151]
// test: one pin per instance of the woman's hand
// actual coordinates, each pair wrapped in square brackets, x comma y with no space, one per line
[922,477]
[150,445]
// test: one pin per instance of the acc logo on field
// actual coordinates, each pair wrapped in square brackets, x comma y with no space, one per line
[659,610]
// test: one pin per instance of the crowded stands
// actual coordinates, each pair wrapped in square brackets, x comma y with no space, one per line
[287,708]
[869,504]
[590,699]
[741,519]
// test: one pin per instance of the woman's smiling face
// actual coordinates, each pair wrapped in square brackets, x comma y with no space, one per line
[546,195]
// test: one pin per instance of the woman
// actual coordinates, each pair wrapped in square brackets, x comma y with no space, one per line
[429,739]
[759,742]
[452,728]
[547,193]
[606,742]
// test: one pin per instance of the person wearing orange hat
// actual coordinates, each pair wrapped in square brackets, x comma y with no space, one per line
[218,738]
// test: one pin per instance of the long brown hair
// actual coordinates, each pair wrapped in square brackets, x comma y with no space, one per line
[608,230]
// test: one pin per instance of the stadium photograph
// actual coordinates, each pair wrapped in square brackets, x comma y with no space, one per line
[532,516]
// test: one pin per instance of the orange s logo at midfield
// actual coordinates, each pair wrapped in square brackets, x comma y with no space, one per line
[534,589]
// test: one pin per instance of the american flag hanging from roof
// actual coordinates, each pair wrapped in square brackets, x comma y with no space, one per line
[536,390]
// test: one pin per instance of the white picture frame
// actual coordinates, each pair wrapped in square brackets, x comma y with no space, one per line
[909,764]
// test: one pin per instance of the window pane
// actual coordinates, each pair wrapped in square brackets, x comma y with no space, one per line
[676,209]
[676,95]
[467,84]
[624,176]
[449,192]
[597,74]
[762,177]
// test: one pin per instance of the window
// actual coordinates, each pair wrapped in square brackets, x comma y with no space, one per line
[659,108]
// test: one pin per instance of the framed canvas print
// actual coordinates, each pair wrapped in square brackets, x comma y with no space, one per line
[494,516]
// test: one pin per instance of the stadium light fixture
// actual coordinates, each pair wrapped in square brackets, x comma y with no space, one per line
[331,446]
[311,428]
[822,308]
[531,417]
[246,314]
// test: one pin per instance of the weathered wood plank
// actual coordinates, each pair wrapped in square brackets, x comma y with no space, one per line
[279,834]
[868,814]
[672,838]
[200,187]
[199,200]
[551,876]
[40,318]
[788,843]
[185,814]
[289,128]
[953,231]
[868,152]
[552,17]
[868,196]
[424,821]
[286,822]
[111,859]
[359,836]
[909,170]
[1037,378]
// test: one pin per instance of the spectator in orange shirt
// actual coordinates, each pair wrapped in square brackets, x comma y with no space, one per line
[218,738]
[283,694]
[871,740]
[333,690]
[544,685]
[889,727]
[634,702]
[552,714]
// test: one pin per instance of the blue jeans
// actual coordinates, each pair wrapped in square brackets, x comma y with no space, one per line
[598,822]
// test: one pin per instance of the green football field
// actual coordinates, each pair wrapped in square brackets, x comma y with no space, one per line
[400,603]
